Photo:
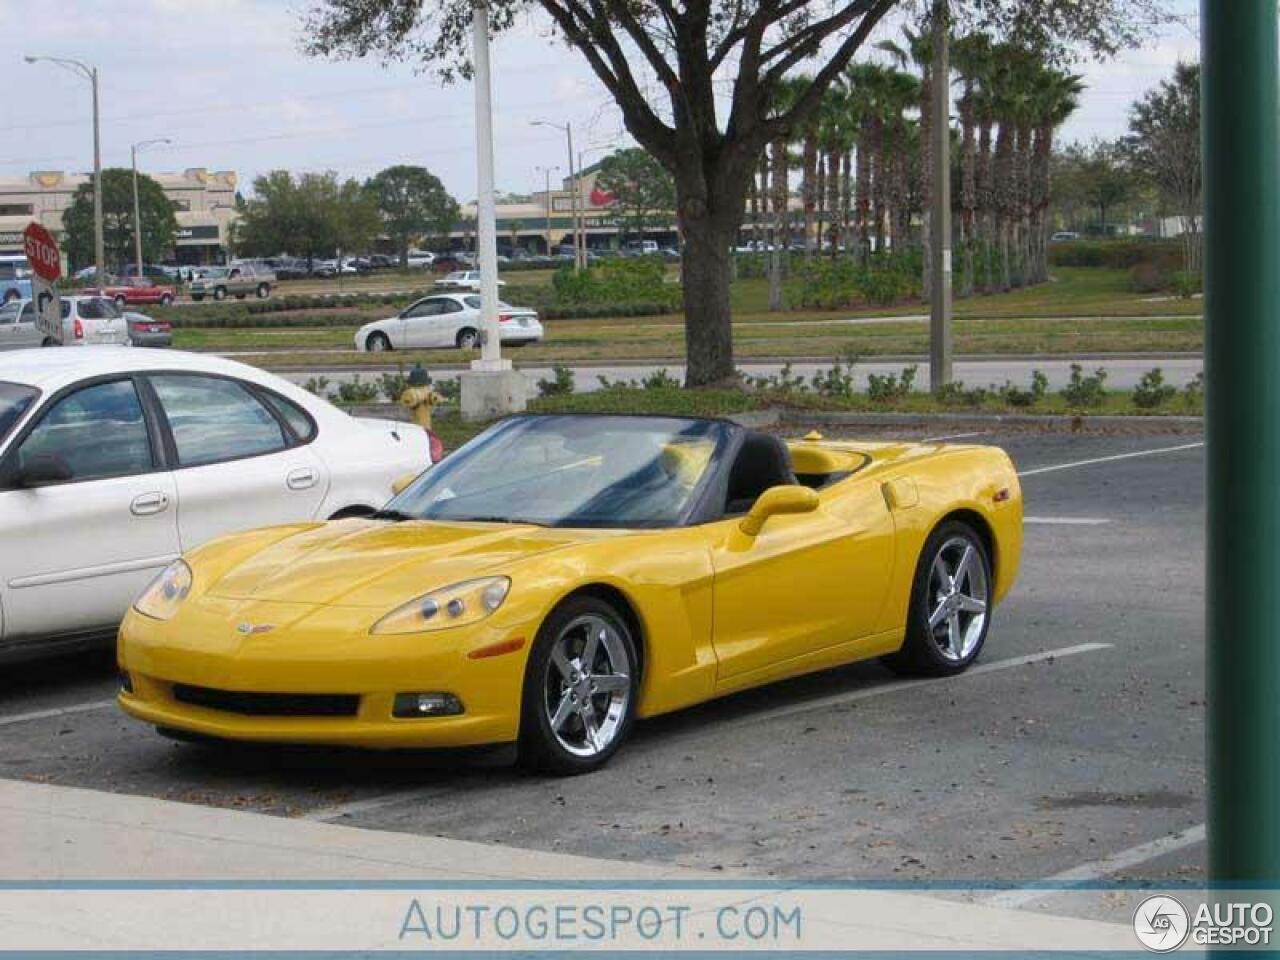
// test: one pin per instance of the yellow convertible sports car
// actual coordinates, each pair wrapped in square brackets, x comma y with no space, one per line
[560,576]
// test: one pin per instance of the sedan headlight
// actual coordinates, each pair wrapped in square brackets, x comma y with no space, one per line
[453,606]
[161,599]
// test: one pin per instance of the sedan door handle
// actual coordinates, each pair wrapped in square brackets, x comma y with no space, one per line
[148,503]
[301,479]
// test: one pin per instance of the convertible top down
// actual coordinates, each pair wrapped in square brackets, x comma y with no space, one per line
[561,575]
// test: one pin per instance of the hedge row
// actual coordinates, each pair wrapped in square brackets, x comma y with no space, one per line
[1117,254]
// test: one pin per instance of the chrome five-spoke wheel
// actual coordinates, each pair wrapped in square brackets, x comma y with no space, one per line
[588,686]
[950,603]
[580,688]
[958,598]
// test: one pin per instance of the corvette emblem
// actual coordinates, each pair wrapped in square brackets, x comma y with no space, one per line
[249,628]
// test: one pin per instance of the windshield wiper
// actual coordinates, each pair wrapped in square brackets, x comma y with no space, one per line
[395,516]
[494,519]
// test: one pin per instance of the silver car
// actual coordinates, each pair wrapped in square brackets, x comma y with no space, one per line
[238,280]
[86,321]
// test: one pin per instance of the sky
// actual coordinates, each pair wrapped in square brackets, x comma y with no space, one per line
[226,82]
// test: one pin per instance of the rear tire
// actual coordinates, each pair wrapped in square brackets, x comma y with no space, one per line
[120,301]
[197,297]
[166,300]
[219,293]
[952,589]
[263,291]
[581,686]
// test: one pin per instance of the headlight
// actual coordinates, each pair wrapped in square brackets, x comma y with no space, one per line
[161,599]
[453,606]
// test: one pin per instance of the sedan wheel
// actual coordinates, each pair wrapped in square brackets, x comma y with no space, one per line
[378,343]
[219,293]
[580,689]
[466,339]
[950,604]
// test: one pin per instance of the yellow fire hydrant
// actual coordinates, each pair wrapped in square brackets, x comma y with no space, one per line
[419,397]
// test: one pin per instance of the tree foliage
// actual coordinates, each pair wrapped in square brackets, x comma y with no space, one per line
[719,65]
[642,189]
[310,215]
[1098,174]
[159,226]
[414,204]
[1164,146]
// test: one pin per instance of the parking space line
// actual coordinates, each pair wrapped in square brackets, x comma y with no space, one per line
[956,436]
[56,712]
[835,700]
[1095,870]
[1110,459]
[1067,521]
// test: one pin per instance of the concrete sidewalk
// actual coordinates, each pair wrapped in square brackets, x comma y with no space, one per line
[55,836]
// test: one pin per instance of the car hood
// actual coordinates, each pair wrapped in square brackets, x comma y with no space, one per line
[377,564]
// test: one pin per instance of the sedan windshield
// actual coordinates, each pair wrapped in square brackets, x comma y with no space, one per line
[571,471]
[15,398]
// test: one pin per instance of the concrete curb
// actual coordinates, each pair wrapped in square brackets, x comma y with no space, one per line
[1074,421]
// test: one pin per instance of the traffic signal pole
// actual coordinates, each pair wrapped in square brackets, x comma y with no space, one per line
[1241,138]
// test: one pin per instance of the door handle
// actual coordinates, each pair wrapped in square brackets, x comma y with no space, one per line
[301,479]
[149,503]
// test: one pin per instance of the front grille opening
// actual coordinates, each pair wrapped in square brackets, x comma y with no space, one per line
[269,704]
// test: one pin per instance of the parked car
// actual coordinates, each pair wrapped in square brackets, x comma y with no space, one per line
[114,462]
[462,280]
[146,332]
[152,270]
[448,263]
[238,280]
[447,320]
[1064,236]
[86,321]
[562,576]
[421,259]
[135,290]
[287,268]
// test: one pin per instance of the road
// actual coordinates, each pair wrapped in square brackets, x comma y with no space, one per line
[1076,745]
[1123,373]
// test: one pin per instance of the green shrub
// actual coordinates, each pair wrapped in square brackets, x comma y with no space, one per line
[1082,391]
[1186,284]
[1193,392]
[891,388]
[317,385]
[1152,391]
[356,391]
[783,382]
[1015,396]
[561,382]
[621,280]
[393,385]
[835,382]
[1121,254]
[660,380]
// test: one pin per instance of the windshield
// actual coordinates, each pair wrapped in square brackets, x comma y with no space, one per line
[571,471]
[15,398]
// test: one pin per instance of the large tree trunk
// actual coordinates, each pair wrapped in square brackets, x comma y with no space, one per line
[780,240]
[705,276]
[986,205]
[864,191]
[833,198]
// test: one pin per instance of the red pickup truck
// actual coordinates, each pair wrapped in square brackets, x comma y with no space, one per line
[136,290]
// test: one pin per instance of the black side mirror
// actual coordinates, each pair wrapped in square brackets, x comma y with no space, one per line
[44,470]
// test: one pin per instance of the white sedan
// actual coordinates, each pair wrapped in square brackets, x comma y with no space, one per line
[113,462]
[447,320]
[463,280]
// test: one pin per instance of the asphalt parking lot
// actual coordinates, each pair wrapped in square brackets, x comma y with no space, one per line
[1074,750]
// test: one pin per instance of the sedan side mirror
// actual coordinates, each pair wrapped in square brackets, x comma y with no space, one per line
[789,498]
[44,470]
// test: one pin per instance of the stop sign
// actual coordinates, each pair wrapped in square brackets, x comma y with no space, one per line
[42,252]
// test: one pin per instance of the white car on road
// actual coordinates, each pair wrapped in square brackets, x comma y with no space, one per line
[462,280]
[86,321]
[114,462]
[447,320]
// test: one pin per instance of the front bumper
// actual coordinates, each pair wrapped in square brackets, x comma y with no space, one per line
[321,650]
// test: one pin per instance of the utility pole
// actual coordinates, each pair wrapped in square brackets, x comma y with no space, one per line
[579,257]
[90,74]
[1241,137]
[137,215]
[546,197]
[940,227]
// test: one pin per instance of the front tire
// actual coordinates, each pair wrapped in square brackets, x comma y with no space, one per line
[467,339]
[377,343]
[166,300]
[950,610]
[263,291]
[581,686]
[219,293]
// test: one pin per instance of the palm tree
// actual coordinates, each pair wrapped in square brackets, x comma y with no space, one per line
[780,192]
[835,139]
[1057,96]
[917,53]
[971,58]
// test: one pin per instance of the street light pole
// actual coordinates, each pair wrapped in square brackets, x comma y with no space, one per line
[546,202]
[579,257]
[486,207]
[137,215]
[90,74]
[1241,136]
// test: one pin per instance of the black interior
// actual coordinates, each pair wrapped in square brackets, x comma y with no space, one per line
[763,461]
